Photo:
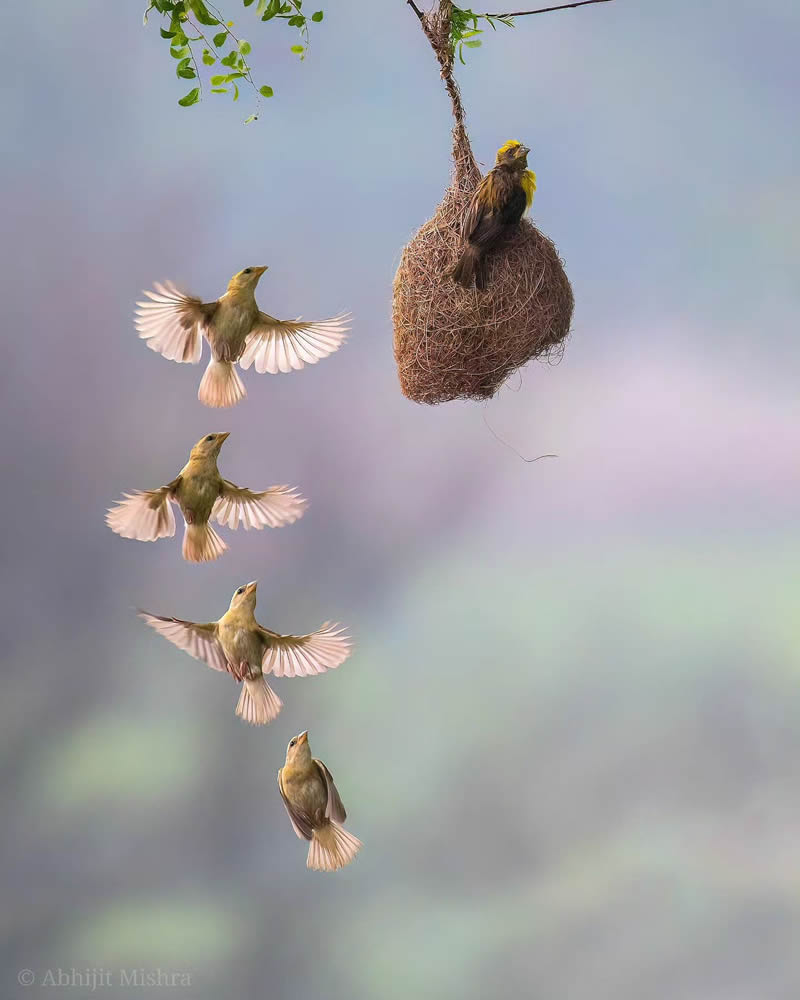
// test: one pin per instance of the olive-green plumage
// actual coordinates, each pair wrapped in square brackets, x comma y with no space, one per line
[315,808]
[238,645]
[202,495]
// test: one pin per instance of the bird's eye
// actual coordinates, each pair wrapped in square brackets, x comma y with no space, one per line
[292,742]
[240,590]
[210,437]
[248,270]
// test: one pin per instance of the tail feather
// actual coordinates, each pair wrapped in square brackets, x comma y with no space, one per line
[470,268]
[202,544]
[258,703]
[332,847]
[221,385]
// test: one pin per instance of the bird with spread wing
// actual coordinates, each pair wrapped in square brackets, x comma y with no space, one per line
[239,646]
[315,808]
[237,332]
[202,495]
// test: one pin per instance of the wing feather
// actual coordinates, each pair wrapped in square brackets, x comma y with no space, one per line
[196,639]
[173,323]
[300,822]
[305,655]
[275,345]
[145,515]
[273,508]
[335,808]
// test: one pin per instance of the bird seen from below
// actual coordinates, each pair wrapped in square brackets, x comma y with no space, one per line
[315,809]
[202,495]
[237,332]
[239,646]
[500,201]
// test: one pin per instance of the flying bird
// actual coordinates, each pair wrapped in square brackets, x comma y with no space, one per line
[237,331]
[239,646]
[315,809]
[202,495]
[500,201]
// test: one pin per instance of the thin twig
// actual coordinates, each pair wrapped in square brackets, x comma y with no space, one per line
[414,7]
[543,10]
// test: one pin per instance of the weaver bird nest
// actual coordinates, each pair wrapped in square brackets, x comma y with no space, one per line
[457,343]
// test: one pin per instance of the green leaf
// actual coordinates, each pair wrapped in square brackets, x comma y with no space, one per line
[191,98]
[297,49]
[476,44]
[220,39]
[208,59]
[266,91]
[219,90]
[179,53]
[297,21]
[166,34]
[250,118]
[217,80]
[235,92]
[201,12]
[247,3]
[317,16]
[245,48]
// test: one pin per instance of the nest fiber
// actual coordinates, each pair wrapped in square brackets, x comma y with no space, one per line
[457,343]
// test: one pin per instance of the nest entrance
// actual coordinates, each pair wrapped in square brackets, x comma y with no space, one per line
[457,343]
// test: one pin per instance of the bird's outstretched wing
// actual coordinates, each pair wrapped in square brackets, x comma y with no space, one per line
[305,655]
[198,640]
[272,508]
[144,515]
[300,822]
[334,809]
[275,345]
[173,323]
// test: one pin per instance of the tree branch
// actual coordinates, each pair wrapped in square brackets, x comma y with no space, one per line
[414,7]
[544,10]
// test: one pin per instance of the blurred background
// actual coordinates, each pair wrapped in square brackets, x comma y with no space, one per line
[569,736]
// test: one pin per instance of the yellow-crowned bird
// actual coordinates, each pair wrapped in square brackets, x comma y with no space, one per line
[502,198]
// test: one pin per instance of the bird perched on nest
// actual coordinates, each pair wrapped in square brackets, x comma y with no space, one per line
[502,198]
[238,645]
[315,809]
[237,331]
[202,495]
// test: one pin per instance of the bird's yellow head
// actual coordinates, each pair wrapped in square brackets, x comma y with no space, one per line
[246,279]
[209,446]
[244,598]
[513,154]
[298,751]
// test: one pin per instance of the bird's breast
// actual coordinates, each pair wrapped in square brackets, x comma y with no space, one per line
[197,496]
[306,791]
[240,645]
[232,322]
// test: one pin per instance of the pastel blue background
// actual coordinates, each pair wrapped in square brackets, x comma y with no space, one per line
[569,736]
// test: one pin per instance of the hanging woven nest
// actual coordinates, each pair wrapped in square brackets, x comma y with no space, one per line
[457,343]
